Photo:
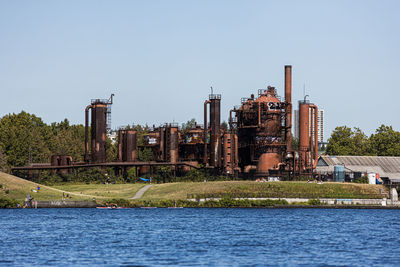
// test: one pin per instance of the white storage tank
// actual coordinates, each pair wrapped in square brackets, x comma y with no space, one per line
[372,178]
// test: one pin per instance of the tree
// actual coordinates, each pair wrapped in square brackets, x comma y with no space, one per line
[385,141]
[68,139]
[141,132]
[345,141]
[3,161]
[224,126]
[188,125]
[145,154]
[25,138]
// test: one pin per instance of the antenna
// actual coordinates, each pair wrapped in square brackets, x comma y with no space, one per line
[304,89]
[211,90]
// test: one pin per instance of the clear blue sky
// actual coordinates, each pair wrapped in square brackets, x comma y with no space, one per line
[161,57]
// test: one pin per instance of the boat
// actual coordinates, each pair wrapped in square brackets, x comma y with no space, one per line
[112,208]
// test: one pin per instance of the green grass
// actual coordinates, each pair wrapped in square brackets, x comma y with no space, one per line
[102,190]
[247,189]
[17,188]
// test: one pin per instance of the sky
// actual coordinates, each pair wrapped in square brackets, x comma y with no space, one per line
[160,58]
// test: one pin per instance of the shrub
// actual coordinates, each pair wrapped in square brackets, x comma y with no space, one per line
[6,203]
[361,180]
[314,202]
[120,202]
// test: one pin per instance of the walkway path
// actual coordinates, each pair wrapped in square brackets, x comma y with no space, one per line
[142,190]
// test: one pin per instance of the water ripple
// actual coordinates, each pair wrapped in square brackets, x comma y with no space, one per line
[199,237]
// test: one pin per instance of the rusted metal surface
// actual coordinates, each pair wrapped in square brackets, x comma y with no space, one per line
[288,102]
[100,115]
[314,108]
[107,164]
[191,145]
[60,160]
[258,141]
[205,134]
[304,133]
[259,130]
[173,147]
[308,119]
[127,148]
[87,133]
[99,131]
[215,130]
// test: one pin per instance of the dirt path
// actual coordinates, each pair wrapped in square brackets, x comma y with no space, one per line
[142,190]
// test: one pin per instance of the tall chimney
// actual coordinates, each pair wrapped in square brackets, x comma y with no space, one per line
[288,101]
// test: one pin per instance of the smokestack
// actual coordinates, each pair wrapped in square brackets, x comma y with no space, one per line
[288,101]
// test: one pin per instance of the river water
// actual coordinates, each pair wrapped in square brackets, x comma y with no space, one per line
[205,237]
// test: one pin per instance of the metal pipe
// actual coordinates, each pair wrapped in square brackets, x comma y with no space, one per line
[230,119]
[259,114]
[288,100]
[315,108]
[87,132]
[205,131]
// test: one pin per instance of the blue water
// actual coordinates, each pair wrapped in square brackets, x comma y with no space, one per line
[206,237]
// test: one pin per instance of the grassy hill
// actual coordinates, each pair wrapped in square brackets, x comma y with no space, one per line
[17,188]
[250,189]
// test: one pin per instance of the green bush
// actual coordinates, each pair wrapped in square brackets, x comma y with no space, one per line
[361,180]
[120,202]
[6,203]
[314,202]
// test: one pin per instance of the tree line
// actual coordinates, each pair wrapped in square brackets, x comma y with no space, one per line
[25,139]
[345,141]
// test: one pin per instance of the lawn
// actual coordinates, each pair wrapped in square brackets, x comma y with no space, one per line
[102,190]
[17,188]
[247,189]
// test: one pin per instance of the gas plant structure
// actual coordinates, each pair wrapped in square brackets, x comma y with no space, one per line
[257,143]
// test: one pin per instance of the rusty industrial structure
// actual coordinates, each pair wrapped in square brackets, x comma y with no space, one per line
[257,143]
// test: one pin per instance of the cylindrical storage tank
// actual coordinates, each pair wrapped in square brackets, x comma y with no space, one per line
[215,130]
[304,129]
[130,137]
[120,145]
[163,149]
[99,130]
[65,161]
[228,145]
[269,109]
[266,162]
[54,162]
[371,178]
[174,144]
[339,173]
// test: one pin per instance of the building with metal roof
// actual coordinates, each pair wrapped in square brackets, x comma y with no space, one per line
[388,168]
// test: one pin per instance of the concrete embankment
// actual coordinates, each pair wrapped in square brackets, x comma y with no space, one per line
[335,202]
[66,204]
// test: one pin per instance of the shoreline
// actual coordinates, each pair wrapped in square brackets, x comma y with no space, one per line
[91,204]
